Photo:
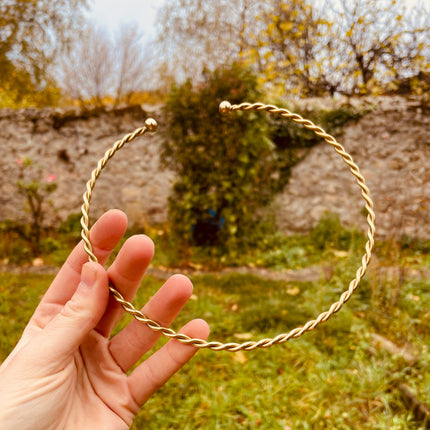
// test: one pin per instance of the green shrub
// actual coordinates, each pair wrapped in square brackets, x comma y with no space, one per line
[14,248]
[230,167]
[19,252]
[288,134]
[49,245]
[329,233]
[226,165]
[35,191]
[71,226]
[286,256]
[414,245]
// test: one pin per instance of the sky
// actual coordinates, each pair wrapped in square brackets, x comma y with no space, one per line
[110,14]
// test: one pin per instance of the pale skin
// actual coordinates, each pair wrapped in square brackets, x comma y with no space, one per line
[67,372]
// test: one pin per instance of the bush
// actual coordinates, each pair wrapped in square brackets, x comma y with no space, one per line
[49,245]
[226,165]
[329,233]
[71,226]
[35,192]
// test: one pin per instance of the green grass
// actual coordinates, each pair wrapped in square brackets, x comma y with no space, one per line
[332,378]
[19,296]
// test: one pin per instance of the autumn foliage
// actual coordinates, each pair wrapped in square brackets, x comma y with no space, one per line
[304,48]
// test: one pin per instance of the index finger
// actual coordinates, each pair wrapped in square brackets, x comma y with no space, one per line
[105,235]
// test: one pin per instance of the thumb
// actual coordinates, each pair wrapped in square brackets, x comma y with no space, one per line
[65,333]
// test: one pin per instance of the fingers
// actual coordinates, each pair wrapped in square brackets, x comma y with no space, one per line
[105,235]
[126,274]
[158,369]
[66,331]
[128,346]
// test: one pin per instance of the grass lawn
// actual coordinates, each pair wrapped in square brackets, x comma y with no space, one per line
[336,377]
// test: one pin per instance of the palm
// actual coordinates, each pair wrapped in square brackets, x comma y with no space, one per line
[87,390]
[83,390]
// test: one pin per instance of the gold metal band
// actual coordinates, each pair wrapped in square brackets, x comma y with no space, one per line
[226,107]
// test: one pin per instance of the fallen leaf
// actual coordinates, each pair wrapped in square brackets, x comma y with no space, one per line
[240,357]
[340,254]
[243,336]
[37,262]
[293,291]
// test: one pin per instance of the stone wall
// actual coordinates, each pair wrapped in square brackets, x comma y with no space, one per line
[69,146]
[391,145]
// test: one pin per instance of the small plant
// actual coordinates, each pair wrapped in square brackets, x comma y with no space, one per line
[35,192]
[329,233]
[14,248]
[71,227]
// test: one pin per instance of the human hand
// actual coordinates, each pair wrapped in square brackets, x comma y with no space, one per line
[65,372]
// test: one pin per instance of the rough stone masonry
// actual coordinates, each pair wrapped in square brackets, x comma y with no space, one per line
[391,145]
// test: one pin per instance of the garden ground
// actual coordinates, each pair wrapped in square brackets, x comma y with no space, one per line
[368,367]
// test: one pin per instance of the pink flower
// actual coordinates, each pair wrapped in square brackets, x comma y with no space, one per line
[51,178]
[20,161]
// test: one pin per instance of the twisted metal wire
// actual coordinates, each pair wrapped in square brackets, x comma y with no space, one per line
[151,126]
[225,107]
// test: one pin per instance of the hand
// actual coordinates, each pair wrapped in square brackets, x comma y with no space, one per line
[65,372]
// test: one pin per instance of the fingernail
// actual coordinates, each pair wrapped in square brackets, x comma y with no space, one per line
[88,275]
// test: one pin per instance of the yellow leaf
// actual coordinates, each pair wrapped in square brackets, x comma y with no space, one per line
[293,291]
[243,336]
[240,357]
[286,26]
[267,55]
[340,254]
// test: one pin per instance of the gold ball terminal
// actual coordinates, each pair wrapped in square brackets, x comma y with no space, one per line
[225,107]
[151,125]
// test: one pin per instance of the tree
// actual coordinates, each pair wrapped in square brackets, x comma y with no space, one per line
[381,42]
[300,47]
[87,70]
[132,63]
[32,33]
[97,68]
[225,164]
[351,47]
[194,35]
[290,47]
